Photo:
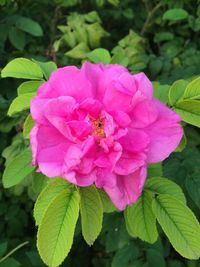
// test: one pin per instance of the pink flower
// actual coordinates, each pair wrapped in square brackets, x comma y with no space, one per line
[100,124]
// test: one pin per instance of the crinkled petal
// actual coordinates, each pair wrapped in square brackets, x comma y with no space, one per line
[165,134]
[127,189]
[144,85]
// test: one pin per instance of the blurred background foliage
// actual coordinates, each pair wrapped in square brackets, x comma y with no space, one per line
[160,38]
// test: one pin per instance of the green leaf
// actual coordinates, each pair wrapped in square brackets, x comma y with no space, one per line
[99,55]
[46,197]
[39,181]
[18,169]
[56,231]
[182,144]
[154,170]
[28,125]
[140,219]
[11,262]
[17,38]
[20,103]
[176,91]
[161,91]
[161,185]
[179,224]
[22,68]
[120,58]
[193,90]
[108,206]
[30,26]
[47,68]
[193,187]
[29,87]
[189,110]
[175,14]
[91,213]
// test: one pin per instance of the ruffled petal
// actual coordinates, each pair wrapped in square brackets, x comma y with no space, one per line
[165,133]
[127,189]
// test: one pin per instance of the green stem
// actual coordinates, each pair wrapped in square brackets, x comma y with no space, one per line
[13,251]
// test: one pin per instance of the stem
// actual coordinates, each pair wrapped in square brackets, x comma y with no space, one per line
[149,17]
[13,251]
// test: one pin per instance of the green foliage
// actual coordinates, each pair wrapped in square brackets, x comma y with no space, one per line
[22,68]
[140,219]
[56,230]
[179,224]
[18,169]
[91,213]
[157,37]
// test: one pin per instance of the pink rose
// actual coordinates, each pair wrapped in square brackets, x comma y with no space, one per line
[100,124]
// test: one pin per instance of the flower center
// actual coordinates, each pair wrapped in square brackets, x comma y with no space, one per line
[98,125]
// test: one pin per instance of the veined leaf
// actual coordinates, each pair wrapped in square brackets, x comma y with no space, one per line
[91,209]
[18,169]
[189,110]
[20,103]
[56,230]
[22,68]
[140,220]
[161,185]
[154,170]
[29,87]
[46,196]
[193,89]
[176,91]
[179,224]
[108,206]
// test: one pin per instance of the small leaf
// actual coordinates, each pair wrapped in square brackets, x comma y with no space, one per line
[176,91]
[161,91]
[46,196]
[20,103]
[18,169]
[17,38]
[193,90]
[30,26]
[99,55]
[47,68]
[140,219]
[29,87]
[22,68]
[189,110]
[91,213]
[179,224]
[56,231]
[175,14]
[161,185]
[28,125]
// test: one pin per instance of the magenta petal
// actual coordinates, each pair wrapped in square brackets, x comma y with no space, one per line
[127,189]
[144,85]
[165,133]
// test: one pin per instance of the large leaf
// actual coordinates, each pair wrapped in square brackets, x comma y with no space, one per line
[193,89]
[56,231]
[140,220]
[20,103]
[18,169]
[189,110]
[22,68]
[99,55]
[30,26]
[176,91]
[17,38]
[91,213]
[29,87]
[108,206]
[179,224]
[46,196]
[160,185]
